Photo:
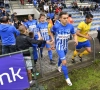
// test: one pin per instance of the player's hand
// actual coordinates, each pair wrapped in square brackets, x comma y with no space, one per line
[52,40]
[49,42]
[40,38]
[76,42]
[53,46]
[88,37]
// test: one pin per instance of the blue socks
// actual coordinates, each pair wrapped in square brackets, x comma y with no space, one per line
[65,71]
[59,62]
[50,54]
[35,54]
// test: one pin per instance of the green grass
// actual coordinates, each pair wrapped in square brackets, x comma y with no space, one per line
[83,79]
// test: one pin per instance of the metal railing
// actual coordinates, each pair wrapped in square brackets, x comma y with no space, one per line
[93,40]
[37,87]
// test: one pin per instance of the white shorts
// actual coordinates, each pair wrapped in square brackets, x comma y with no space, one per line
[28,62]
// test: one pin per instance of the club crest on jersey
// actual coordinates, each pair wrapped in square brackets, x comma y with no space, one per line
[68,31]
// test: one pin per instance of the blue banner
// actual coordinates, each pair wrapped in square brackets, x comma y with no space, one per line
[13,74]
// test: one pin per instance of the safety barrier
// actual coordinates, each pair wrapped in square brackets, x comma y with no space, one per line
[93,40]
[12,63]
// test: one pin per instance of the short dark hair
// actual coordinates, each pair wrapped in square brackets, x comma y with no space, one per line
[70,15]
[89,16]
[48,17]
[42,15]
[62,13]
[4,19]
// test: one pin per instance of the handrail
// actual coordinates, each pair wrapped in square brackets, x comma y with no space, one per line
[93,39]
[41,70]
[14,53]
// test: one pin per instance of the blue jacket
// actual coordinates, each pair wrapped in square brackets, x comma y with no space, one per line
[51,15]
[7,34]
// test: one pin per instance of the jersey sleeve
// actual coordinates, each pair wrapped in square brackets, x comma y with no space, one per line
[72,30]
[80,26]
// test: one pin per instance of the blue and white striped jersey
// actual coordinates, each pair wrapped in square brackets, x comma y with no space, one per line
[62,35]
[32,26]
[43,29]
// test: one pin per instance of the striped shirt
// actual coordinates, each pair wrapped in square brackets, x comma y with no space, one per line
[43,29]
[62,35]
[32,26]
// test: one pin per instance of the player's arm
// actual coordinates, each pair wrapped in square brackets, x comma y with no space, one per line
[53,30]
[74,35]
[39,35]
[52,36]
[80,28]
[75,39]
[81,35]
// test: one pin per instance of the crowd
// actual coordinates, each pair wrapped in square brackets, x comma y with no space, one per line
[85,9]
[4,3]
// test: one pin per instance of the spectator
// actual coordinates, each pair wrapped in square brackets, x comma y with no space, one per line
[12,16]
[41,4]
[2,3]
[70,20]
[27,42]
[46,7]
[51,9]
[81,10]
[57,10]
[17,23]
[96,6]
[59,4]
[64,5]
[6,2]
[4,13]
[35,3]
[84,10]
[22,2]
[30,1]
[88,10]
[50,14]
[7,34]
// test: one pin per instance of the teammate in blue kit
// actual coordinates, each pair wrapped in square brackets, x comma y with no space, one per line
[25,22]
[43,34]
[62,33]
[32,27]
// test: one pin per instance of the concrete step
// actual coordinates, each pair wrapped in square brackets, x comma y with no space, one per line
[23,7]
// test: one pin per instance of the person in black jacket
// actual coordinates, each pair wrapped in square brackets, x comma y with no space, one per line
[24,42]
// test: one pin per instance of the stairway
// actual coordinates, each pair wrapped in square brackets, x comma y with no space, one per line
[15,6]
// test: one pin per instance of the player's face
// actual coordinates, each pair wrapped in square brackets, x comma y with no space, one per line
[64,19]
[48,20]
[42,19]
[89,20]
[30,17]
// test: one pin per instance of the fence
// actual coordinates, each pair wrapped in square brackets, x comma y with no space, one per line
[15,62]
